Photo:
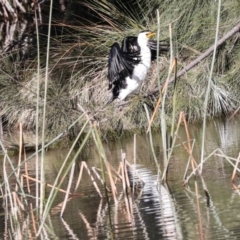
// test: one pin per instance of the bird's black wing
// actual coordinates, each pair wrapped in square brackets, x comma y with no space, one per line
[130,45]
[131,50]
[163,48]
[120,64]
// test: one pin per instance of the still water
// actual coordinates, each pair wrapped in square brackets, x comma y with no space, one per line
[158,212]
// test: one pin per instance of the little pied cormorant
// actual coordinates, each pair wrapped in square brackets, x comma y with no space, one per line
[128,65]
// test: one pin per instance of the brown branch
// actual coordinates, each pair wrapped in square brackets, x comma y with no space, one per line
[205,54]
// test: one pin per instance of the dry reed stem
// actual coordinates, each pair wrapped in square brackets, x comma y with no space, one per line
[118,172]
[19,154]
[135,172]
[192,159]
[126,185]
[234,113]
[107,165]
[134,162]
[129,206]
[227,158]
[99,211]
[166,167]
[186,169]
[84,165]
[33,219]
[79,176]
[26,169]
[123,178]
[194,164]
[125,174]
[21,180]
[90,230]
[190,147]
[47,184]
[99,178]
[198,166]
[19,202]
[58,207]
[69,232]
[189,152]
[113,186]
[235,169]
[68,189]
[199,212]
[115,172]
[129,197]
[102,153]
[7,191]
[15,209]
[160,99]
[215,152]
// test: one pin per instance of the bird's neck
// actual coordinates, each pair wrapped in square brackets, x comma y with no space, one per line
[145,55]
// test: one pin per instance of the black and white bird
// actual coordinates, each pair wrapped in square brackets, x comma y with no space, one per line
[128,65]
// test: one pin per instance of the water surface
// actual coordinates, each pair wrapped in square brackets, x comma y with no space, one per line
[158,212]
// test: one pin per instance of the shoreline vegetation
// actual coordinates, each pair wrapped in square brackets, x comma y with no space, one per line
[81,36]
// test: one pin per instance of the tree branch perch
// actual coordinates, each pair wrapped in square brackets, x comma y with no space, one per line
[205,54]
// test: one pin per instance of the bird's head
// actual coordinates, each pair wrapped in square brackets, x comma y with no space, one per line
[144,36]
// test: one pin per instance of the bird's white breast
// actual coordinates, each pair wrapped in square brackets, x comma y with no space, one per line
[139,73]
[132,85]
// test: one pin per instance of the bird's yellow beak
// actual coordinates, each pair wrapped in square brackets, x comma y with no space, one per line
[151,34]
